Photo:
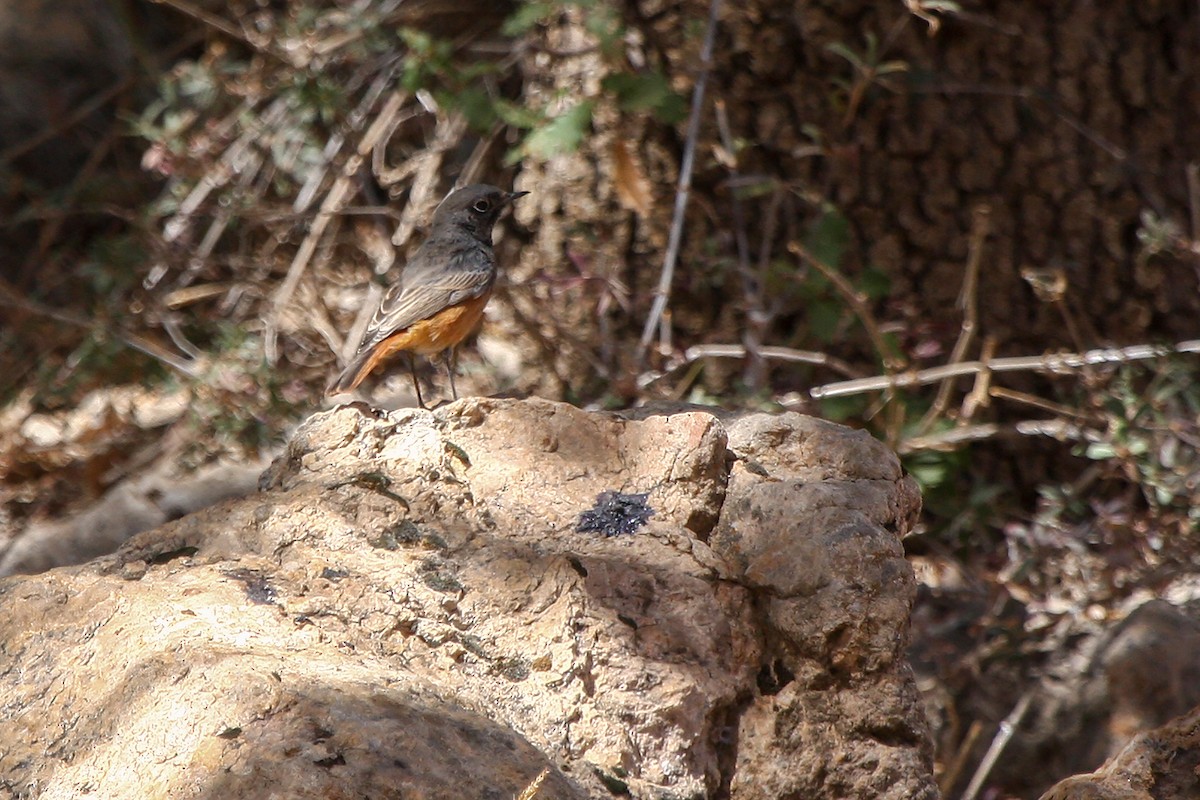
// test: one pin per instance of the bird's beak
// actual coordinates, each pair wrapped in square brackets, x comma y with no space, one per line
[513,196]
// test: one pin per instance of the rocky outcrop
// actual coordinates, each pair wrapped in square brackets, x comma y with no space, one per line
[131,506]
[1163,764]
[446,604]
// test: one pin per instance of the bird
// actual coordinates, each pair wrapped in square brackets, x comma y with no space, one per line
[441,292]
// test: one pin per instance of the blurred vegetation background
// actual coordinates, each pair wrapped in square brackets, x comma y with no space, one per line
[968,227]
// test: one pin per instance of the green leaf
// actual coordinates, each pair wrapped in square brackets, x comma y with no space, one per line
[516,115]
[837,48]
[563,134]
[941,6]
[1100,451]
[525,17]
[824,319]
[749,191]
[839,409]
[1138,447]
[646,91]
[812,288]
[477,107]
[875,284]
[929,468]
[828,237]
[604,23]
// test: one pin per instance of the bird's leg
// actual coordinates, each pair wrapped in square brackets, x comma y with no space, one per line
[450,359]
[412,368]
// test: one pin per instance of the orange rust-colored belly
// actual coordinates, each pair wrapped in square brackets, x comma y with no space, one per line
[434,334]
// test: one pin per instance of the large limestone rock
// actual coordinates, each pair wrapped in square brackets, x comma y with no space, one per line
[446,604]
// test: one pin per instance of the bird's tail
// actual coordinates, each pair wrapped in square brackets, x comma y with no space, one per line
[354,373]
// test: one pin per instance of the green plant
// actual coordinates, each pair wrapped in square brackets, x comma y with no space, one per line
[1152,436]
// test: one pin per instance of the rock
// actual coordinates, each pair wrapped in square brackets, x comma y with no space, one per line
[132,506]
[445,604]
[1163,764]
[1116,683]
[812,519]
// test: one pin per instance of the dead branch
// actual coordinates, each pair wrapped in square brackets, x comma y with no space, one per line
[857,302]
[1003,734]
[10,297]
[756,317]
[663,293]
[949,440]
[775,353]
[1059,363]
[329,208]
[968,301]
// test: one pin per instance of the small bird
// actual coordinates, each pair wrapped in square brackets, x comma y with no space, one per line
[441,292]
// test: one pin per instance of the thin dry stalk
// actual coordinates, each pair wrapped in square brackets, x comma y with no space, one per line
[1193,184]
[48,235]
[1059,363]
[755,374]
[950,777]
[775,353]
[663,293]
[332,203]
[9,297]
[473,167]
[968,301]
[1034,401]
[224,26]
[1033,97]
[88,108]
[228,165]
[425,167]
[979,395]
[948,441]
[1003,735]
[1192,245]
[858,303]
[365,311]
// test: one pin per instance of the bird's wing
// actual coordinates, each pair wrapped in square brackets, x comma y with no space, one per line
[417,297]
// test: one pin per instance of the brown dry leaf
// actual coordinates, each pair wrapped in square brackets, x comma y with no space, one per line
[633,188]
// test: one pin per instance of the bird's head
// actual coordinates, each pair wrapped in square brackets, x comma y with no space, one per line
[474,208]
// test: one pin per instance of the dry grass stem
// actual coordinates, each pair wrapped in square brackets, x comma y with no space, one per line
[892,363]
[1057,363]
[968,302]
[663,293]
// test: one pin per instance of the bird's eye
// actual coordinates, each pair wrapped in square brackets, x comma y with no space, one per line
[482,206]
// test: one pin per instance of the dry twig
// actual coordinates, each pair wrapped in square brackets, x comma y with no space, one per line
[968,301]
[776,353]
[531,790]
[959,762]
[757,318]
[891,362]
[1054,363]
[663,293]
[329,208]
[1003,734]
[222,25]
[11,298]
